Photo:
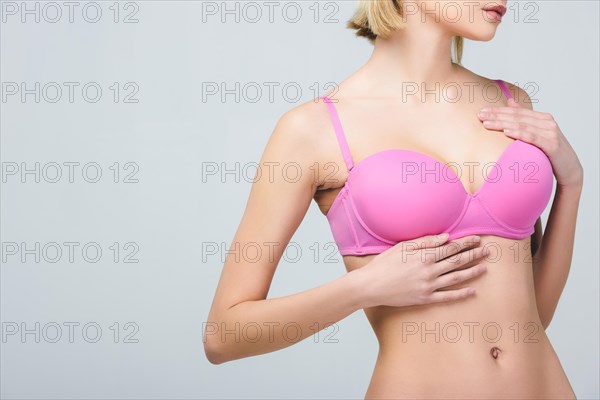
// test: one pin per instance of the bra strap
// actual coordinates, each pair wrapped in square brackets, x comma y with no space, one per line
[339,132]
[502,85]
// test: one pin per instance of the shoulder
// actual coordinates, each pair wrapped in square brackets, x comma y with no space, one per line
[301,127]
[520,95]
[303,118]
[303,135]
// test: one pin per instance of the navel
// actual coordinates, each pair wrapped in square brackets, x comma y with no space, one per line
[495,352]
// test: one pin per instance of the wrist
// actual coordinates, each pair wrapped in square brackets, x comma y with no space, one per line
[572,188]
[358,288]
[574,184]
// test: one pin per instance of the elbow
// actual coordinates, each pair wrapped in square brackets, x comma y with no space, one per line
[213,348]
[214,351]
[213,354]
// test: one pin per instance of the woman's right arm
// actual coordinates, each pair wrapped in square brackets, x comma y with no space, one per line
[242,322]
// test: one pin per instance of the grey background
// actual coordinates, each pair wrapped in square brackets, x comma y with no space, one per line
[171,213]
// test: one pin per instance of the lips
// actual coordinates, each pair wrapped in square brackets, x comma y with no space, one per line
[500,9]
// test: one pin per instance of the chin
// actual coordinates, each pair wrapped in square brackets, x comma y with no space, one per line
[483,35]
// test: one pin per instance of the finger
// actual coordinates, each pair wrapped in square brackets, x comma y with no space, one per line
[522,131]
[454,247]
[457,261]
[508,126]
[423,242]
[449,295]
[525,112]
[455,277]
[500,125]
[538,138]
[493,120]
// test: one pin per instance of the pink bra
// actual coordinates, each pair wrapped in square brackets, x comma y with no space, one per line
[397,195]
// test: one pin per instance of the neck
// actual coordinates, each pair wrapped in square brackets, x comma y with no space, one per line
[418,56]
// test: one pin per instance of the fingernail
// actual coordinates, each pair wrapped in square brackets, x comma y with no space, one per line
[443,236]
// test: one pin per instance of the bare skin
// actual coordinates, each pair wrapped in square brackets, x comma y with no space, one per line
[501,350]
[404,290]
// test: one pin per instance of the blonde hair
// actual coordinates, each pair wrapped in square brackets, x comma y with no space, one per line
[381,17]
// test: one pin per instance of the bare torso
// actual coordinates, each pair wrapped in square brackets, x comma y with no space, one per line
[491,345]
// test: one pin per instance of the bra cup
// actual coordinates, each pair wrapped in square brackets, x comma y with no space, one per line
[400,198]
[397,195]
[518,189]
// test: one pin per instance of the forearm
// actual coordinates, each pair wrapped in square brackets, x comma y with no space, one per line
[552,261]
[257,327]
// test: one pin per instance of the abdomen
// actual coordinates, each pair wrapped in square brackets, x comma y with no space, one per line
[489,345]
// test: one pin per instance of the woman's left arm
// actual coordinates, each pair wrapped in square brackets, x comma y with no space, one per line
[552,260]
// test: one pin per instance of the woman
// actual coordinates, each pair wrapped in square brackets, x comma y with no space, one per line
[410,146]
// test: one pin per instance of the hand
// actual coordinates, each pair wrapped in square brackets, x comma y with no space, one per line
[411,272]
[541,130]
